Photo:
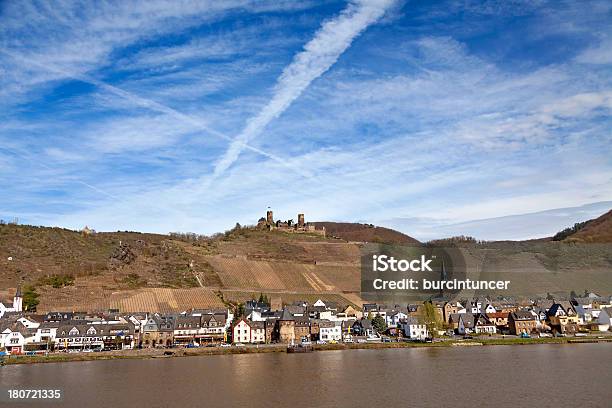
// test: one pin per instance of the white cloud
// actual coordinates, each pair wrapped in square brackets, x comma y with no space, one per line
[530,225]
[136,133]
[414,122]
[77,38]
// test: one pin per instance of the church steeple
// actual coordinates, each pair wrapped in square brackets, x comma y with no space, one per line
[18,300]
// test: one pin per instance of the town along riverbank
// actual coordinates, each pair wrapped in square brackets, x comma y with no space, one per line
[278,348]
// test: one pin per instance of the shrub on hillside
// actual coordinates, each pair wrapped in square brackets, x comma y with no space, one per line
[561,235]
[57,281]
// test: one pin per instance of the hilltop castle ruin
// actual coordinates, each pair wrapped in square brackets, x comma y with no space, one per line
[289,226]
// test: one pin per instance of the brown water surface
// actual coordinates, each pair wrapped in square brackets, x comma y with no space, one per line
[505,376]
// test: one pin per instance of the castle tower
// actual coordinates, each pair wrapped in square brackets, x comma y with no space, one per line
[18,300]
[300,222]
[269,217]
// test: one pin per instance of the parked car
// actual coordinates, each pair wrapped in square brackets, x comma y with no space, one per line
[362,341]
[348,340]
[580,334]
[226,345]
[239,345]
[321,342]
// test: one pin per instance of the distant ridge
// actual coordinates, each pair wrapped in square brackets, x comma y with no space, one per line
[357,232]
[596,230]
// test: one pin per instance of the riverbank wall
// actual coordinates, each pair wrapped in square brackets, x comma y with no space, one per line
[205,351]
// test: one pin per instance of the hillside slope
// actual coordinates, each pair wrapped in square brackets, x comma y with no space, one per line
[39,252]
[596,230]
[73,270]
[136,272]
[356,232]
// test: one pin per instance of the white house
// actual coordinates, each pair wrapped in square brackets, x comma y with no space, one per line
[16,306]
[490,309]
[213,327]
[15,337]
[604,320]
[319,303]
[484,325]
[329,330]
[394,318]
[413,329]
[186,328]
[241,332]
[328,315]
[255,316]
[46,333]
[249,332]
[371,310]
[258,332]
[79,337]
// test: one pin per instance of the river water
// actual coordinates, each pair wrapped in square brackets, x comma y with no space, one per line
[513,376]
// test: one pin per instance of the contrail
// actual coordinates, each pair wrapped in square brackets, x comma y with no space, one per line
[155,106]
[318,55]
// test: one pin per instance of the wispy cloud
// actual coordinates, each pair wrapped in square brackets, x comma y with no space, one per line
[152,105]
[319,54]
[447,112]
[531,225]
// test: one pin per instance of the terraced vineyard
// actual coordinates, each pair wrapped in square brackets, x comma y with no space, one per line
[165,300]
[141,300]
[332,252]
[345,278]
[262,275]
[242,273]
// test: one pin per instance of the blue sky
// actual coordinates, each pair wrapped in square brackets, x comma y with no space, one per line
[191,116]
